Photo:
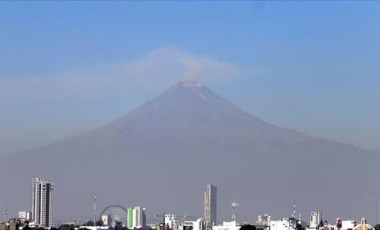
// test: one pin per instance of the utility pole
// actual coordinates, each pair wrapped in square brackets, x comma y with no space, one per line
[294,209]
[234,206]
[376,211]
[6,213]
[95,210]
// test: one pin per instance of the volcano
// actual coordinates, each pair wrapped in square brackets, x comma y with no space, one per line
[162,154]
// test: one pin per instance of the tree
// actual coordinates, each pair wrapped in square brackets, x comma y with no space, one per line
[67,227]
[99,223]
[26,227]
[248,227]
[300,227]
[37,228]
[89,223]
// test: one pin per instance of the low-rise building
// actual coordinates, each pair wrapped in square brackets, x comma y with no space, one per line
[10,225]
[315,219]
[233,225]
[199,224]
[291,223]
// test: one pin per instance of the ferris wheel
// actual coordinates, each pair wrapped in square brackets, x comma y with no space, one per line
[114,214]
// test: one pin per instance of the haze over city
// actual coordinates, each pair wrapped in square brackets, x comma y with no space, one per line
[145,103]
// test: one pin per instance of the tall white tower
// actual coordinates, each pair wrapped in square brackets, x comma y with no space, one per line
[43,202]
[138,217]
[210,205]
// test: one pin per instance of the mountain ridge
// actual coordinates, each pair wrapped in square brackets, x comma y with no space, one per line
[200,91]
[182,140]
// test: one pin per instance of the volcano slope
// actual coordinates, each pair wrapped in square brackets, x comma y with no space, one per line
[162,154]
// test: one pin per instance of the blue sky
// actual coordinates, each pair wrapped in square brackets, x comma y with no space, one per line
[68,67]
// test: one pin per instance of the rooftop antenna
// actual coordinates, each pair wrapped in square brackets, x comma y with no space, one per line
[234,206]
[376,211]
[95,210]
[6,213]
[294,209]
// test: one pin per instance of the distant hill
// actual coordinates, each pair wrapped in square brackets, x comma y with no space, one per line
[162,154]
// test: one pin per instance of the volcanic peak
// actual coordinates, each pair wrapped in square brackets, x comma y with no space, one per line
[185,84]
[189,84]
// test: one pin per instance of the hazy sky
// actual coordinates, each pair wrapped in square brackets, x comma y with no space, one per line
[68,67]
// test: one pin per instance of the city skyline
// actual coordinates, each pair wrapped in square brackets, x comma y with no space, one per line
[43,194]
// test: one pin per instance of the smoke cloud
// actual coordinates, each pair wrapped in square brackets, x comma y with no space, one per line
[55,99]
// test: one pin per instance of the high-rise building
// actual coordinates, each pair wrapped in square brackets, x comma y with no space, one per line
[130,218]
[136,217]
[43,202]
[210,205]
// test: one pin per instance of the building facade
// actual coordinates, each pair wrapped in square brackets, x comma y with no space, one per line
[43,202]
[210,205]
[130,218]
[315,219]
[136,217]
[233,225]
[24,215]
[10,225]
